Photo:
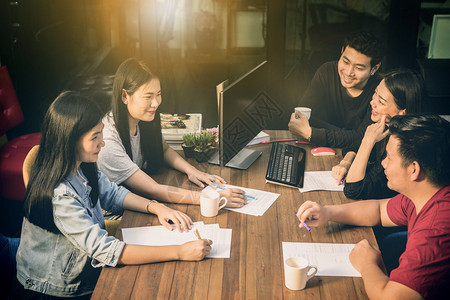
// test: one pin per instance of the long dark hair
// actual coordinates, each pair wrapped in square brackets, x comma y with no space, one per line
[130,76]
[408,89]
[68,118]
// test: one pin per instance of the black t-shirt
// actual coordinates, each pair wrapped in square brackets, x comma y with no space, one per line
[338,120]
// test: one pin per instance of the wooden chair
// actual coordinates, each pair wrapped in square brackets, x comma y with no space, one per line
[111,225]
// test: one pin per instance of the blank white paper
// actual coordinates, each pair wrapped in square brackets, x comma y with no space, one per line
[330,259]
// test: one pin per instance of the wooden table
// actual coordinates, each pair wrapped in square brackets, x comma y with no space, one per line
[255,268]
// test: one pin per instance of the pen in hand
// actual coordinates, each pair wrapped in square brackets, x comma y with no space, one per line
[222,188]
[304,223]
[342,181]
[197,234]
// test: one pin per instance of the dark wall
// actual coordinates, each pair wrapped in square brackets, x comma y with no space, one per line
[44,43]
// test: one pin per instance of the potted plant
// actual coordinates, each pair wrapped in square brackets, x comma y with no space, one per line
[203,145]
[188,145]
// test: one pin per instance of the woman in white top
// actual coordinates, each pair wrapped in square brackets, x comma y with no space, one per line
[134,147]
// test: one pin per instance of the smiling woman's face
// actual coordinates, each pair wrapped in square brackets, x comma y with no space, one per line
[143,103]
[383,103]
[90,144]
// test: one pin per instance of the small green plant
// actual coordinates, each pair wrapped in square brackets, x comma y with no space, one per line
[189,139]
[203,140]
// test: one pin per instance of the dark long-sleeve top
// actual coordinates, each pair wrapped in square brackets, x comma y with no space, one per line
[374,183]
[337,119]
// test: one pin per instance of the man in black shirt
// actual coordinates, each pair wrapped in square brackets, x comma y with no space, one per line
[340,93]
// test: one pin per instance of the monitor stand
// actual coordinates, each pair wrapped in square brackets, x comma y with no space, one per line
[242,160]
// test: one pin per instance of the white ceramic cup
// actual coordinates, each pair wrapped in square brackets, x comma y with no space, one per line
[304,110]
[210,203]
[296,271]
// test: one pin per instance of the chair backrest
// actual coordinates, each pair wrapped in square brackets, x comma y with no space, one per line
[11,113]
[28,163]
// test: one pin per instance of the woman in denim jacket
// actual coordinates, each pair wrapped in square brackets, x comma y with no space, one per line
[64,243]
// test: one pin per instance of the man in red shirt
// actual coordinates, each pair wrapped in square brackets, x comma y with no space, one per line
[417,166]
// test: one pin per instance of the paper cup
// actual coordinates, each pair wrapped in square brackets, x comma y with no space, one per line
[304,110]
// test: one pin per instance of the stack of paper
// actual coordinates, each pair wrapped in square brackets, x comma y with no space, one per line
[320,181]
[160,236]
[173,135]
[330,259]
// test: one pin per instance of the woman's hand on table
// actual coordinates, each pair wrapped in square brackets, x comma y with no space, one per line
[201,178]
[235,197]
[165,214]
[340,171]
[195,250]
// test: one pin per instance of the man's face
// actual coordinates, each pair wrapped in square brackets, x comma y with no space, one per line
[396,173]
[354,69]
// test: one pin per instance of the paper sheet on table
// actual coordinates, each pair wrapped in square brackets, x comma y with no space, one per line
[160,236]
[320,181]
[255,207]
[330,259]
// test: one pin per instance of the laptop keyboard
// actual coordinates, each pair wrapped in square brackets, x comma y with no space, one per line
[286,165]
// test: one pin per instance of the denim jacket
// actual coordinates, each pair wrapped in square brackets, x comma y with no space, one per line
[68,263]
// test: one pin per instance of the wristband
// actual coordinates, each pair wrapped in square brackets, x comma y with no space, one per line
[148,204]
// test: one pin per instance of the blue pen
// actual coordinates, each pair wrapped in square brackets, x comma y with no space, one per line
[222,188]
[304,224]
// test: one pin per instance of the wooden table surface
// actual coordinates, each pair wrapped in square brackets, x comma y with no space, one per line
[255,267]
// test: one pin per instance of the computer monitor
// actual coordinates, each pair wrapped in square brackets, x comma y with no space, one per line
[440,37]
[244,109]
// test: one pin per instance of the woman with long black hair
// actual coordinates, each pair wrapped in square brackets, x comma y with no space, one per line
[63,242]
[134,147]
[399,92]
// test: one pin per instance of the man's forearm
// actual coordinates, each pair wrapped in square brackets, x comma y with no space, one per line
[361,213]
[375,281]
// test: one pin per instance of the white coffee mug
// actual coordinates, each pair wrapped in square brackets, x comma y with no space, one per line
[210,203]
[304,110]
[296,271]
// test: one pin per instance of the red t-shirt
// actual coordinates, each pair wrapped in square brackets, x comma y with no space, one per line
[425,264]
